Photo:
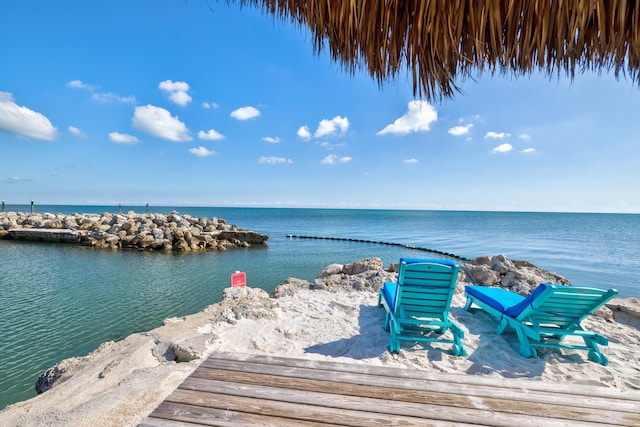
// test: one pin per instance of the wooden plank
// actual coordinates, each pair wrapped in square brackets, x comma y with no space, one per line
[445,381]
[287,410]
[152,421]
[171,413]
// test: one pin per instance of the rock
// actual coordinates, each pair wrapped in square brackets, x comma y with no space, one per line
[70,222]
[359,275]
[54,223]
[605,313]
[290,287]
[626,310]
[246,303]
[320,285]
[191,348]
[244,292]
[250,237]
[47,379]
[330,270]
[520,277]
[481,274]
[362,266]
[157,233]
[56,374]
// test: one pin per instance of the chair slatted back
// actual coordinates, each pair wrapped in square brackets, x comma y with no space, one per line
[425,289]
[565,306]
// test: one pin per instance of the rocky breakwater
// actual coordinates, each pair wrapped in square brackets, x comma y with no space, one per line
[137,231]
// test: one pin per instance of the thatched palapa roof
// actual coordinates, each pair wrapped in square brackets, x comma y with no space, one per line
[442,42]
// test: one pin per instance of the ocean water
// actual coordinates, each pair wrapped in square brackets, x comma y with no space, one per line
[60,301]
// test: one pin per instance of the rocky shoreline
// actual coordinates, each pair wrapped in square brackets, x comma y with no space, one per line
[173,232]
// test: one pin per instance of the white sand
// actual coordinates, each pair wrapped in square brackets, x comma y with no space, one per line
[347,327]
[121,383]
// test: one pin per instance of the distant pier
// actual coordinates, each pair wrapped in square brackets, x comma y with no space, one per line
[45,235]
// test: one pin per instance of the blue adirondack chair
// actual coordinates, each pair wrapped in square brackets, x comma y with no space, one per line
[417,305]
[546,316]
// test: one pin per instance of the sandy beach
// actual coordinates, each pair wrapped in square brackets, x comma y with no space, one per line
[335,319]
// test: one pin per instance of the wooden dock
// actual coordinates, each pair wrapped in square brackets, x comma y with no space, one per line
[249,390]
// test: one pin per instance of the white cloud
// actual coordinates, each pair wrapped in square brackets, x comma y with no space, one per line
[122,138]
[331,146]
[245,113]
[333,159]
[524,136]
[418,118]
[502,148]
[177,91]
[201,152]
[159,122]
[211,135]
[326,128]
[180,98]
[410,161]
[24,121]
[460,130]
[78,84]
[17,180]
[272,140]
[273,160]
[208,105]
[529,150]
[303,132]
[497,135]
[74,130]
[171,86]
[336,126]
[103,97]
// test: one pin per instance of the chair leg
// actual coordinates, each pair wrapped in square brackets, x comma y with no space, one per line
[458,349]
[394,342]
[526,349]
[386,322]
[595,355]
[442,330]
[502,326]
[467,305]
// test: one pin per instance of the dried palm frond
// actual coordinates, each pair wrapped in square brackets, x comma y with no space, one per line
[441,42]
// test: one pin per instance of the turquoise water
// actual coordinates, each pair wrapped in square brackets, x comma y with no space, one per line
[60,301]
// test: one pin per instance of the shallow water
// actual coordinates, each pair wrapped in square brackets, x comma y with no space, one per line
[61,300]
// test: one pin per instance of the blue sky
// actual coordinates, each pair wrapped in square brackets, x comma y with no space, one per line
[189,102]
